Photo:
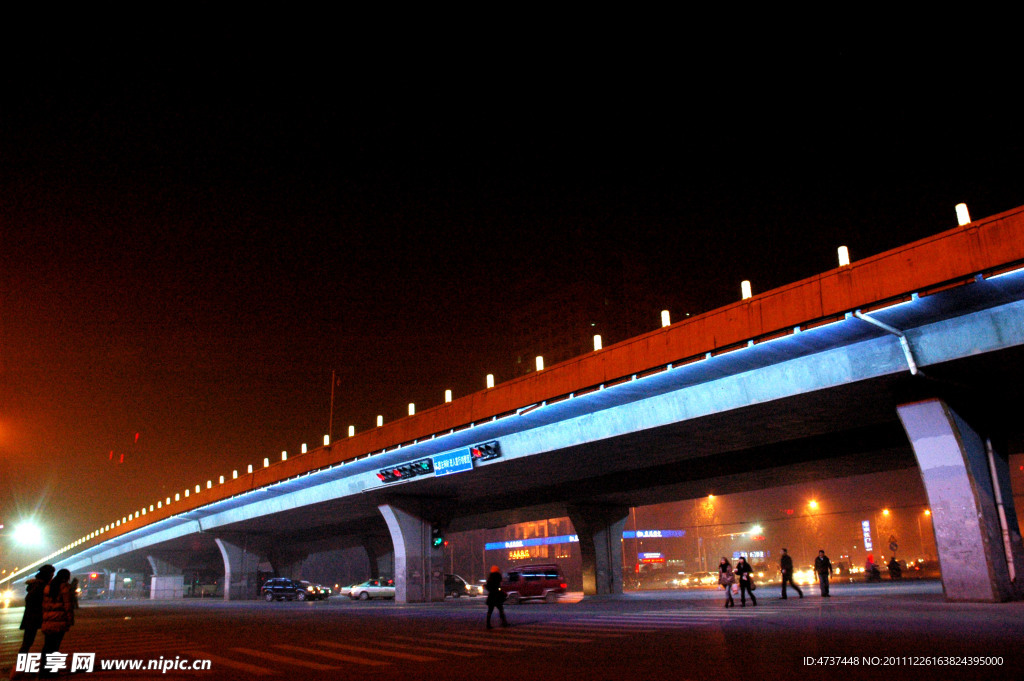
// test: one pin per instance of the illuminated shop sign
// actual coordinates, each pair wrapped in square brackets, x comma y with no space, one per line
[572,538]
[865,526]
[653,534]
[651,557]
[536,541]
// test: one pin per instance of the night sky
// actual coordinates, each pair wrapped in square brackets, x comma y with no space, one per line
[197,227]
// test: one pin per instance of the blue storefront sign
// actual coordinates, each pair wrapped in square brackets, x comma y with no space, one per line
[652,534]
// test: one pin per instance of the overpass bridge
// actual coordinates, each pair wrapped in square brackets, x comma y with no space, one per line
[911,357]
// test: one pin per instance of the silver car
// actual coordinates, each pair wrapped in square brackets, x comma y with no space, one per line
[373,588]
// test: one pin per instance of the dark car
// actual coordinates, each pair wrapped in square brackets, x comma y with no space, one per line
[534,582]
[284,589]
[456,586]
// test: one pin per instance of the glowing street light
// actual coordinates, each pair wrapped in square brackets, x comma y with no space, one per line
[28,533]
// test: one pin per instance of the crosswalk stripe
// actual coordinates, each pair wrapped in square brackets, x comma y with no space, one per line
[613,626]
[377,650]
[459,644]
[281,658]
[634,625]
[506,635]
[333,656]
[563,629]
[228,662]
[532,635]
[399,644]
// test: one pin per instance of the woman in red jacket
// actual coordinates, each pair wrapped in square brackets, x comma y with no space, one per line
[58,611]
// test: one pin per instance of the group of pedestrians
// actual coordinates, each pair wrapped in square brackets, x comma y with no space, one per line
[740,580]
[50,605]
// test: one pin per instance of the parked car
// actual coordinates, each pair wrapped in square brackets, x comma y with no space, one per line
[325,591]
[373,588]
[456,586]
[284,589]
[534,582]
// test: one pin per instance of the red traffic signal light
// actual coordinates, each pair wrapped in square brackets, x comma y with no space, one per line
[485,451]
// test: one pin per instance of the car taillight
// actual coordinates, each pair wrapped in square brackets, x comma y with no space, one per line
[564,585]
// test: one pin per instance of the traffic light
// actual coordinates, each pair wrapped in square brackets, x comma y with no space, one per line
[485,451]
[406,470]
[436,536]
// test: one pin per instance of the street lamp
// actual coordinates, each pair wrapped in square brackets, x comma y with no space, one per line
[920,536]
[28,533]
[709,509]
[812,507]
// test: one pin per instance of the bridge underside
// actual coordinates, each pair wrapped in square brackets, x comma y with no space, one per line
[848,430]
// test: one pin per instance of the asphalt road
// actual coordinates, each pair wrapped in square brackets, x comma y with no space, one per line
[899,631]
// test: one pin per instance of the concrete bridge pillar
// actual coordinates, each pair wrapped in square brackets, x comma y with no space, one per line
[288,564]
[419,567]
[166,583]
[968,489]
[599,529]
[241,565]
[379,551]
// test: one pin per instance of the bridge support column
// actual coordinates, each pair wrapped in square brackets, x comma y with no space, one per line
[240,570]
[288,564]
[599,529]
[166,583]
[976,555]
[380,554]
[419,567]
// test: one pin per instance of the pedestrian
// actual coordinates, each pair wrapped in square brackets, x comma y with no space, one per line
[58,612]
[33,617]
[727,578]
[823,566]
[786,567]
[745,576]
[895,571]
[871,573]
[495,596]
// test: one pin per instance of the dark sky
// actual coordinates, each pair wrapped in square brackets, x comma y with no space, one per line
[199,226]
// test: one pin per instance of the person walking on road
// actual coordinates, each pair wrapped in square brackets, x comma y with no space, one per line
[32,619]
[744,574]
[495,596]
[726,578]
[58,612]
[786,568]
[823,566]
